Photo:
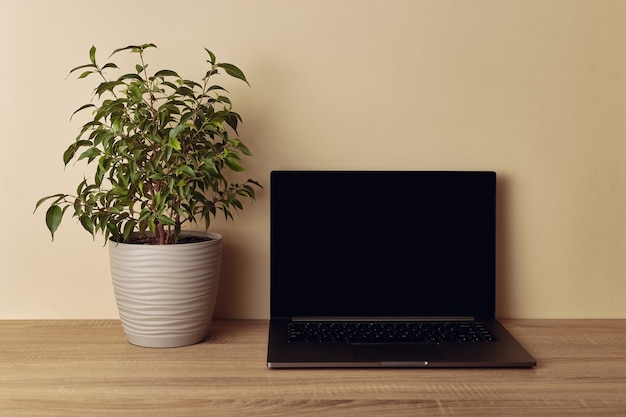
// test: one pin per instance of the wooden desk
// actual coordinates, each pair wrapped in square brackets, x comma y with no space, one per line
[86,368]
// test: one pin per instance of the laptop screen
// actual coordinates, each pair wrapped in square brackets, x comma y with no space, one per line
[382,243]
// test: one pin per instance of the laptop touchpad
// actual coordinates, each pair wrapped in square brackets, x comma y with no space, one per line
[397,352]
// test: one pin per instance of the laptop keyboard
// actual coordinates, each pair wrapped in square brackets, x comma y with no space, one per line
[388,331]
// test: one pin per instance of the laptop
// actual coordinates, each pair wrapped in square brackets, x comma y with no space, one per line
[385,269]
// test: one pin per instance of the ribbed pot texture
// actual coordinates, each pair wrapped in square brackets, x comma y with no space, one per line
[166,294]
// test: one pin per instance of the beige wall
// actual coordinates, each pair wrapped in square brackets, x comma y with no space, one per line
[534,89]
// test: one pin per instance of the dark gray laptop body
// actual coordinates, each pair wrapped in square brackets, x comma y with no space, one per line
[385,246]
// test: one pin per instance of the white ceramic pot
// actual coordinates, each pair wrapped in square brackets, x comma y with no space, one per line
[166,294]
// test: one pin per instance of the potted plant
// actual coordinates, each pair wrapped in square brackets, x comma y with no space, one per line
[161,147]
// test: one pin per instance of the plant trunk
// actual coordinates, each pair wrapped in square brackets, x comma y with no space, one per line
[161,236]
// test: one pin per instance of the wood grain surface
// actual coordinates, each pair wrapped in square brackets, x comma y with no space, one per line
[86,368]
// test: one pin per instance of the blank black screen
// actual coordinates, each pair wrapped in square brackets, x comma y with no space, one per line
[382,243]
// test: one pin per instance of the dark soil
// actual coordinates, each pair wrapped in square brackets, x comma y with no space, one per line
[182,239]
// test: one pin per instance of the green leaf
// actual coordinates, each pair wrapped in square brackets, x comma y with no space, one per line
[99,176]
[157,199]
[243,148]
[104,163]
[251,181]
[135,91]
[216,87]
[233,164]
[53,218]
[130,77]
[187,170]
[174,132]
[92,55]
[210,165]
[82,67]
[71,150]
[166,73]
[123,49]
[232,119]
[90,153]
[147,45]
[107,86]
[128,229]
[174,143]
[57,196]
[145,214]
[86,106]
[87,223]
[211,56]
[81,186]
[247,191]
[237,204]
[102,136]
[112,229]
[151,225]
[166,221]
[69,153]
[134,48]
[185,91]
[233,71]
